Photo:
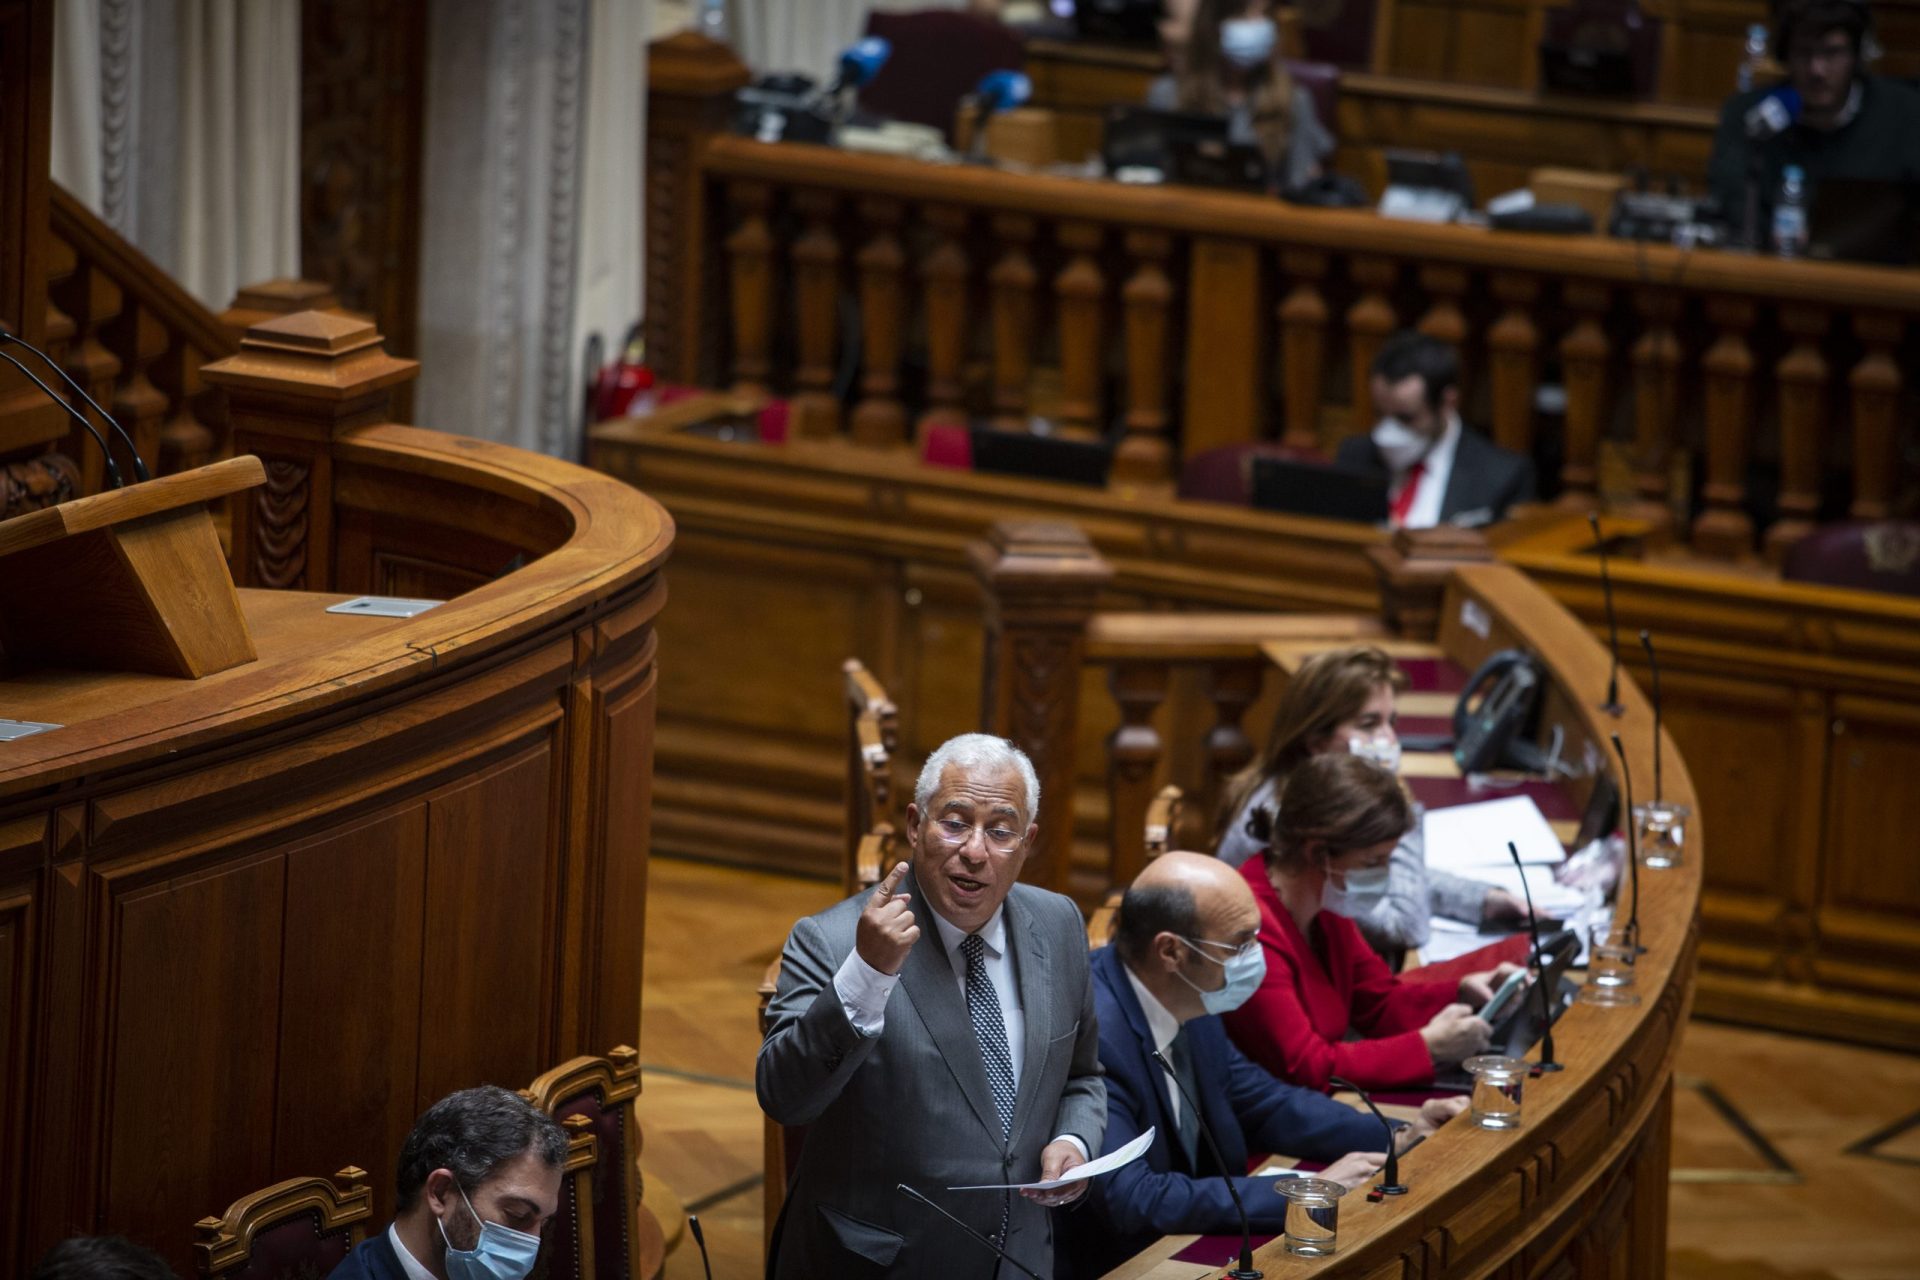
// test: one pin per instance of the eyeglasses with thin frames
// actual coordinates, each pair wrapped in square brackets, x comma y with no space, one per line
[955,833]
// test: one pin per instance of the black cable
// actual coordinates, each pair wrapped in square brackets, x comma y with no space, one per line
[113,471]
[139,465]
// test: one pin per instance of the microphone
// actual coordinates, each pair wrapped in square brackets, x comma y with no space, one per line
[139,465]
[859,64]
[113,470]
[1774,114]
[1646,642]
[1390,1184]
[1245,1270]
[700,1238]
[998,1250]
[1547,1062]
[1612,705]
[997,91]
[1633,848]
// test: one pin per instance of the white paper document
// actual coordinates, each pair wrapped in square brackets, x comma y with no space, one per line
[1468,837]
[1079,1173]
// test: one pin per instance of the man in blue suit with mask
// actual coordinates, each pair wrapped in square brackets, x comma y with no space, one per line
[1185,950]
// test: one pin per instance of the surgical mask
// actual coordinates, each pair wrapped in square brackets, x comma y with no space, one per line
[1363,891]
[1245,968]
[501,1253]
[1247,42]
[1383,749]
[1399,444]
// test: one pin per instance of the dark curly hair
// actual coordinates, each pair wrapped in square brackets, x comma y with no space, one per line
[474,1132]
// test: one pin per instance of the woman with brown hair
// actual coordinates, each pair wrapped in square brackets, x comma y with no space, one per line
[1342,702]
[1340,816]
[1229,65]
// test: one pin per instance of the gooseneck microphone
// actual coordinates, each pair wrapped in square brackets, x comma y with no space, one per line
[1646,642]
[139,465]
[1633,847]
[999,1251]
[1612,705]
[1390,1184]
[113,470]
[1245,1271]
[700,1238]
[1547,1062]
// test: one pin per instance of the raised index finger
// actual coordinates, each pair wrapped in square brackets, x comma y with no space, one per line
[884,890]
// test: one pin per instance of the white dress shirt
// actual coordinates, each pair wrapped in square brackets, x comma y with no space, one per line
[408,1263]
[1425,511]
[1163,1027]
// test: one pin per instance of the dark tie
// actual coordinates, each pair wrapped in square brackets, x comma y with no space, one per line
[1180,1054]
[990,1029]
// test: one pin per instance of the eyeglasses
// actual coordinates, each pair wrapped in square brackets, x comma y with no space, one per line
[955,833]
[1233,952]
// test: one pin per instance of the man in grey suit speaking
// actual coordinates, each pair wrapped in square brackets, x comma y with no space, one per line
[937,1032]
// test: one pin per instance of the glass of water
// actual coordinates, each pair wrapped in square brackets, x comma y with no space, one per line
[1313,1215]
[1496,1090]
[1611,951]
[1663,832]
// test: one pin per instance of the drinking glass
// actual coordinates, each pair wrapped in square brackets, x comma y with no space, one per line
[1313,1215]
[1496,1090]
[1611,951]
[1663,832]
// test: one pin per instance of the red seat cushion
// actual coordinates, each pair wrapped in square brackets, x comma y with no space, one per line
[1868,555]
[1226,474]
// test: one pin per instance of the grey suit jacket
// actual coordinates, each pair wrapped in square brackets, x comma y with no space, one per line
[912,1104]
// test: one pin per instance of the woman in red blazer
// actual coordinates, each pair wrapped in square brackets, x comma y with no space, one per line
[1338,821]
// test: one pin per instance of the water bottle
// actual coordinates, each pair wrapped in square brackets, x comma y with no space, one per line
[1755,55]
[1790,214]
[712,22]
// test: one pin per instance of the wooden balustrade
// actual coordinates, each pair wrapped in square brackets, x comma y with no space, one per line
[979,295]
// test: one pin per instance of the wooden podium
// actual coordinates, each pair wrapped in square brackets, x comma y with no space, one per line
[127,580]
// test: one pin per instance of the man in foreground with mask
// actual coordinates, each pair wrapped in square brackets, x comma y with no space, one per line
[1438,471]
[479,1177]
[1185,949]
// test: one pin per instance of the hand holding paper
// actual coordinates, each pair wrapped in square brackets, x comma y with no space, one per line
[1079,1173]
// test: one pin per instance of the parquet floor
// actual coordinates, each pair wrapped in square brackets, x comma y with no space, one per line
[1735,1214]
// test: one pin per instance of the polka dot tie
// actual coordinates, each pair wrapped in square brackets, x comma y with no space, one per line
[990,1029]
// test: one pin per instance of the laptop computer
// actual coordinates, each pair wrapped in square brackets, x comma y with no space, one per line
[1864,220]
[1147,137]
[1319,489]
[1021,453]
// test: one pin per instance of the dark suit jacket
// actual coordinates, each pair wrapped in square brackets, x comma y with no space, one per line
[912,1105]
[1247,1109]
[1486,479]
[371,1259]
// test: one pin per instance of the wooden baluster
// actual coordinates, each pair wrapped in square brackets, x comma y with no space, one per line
[58,341]
[1803,402]
[1583,361]
[1012,281]
[139,339]
[750,282]
[90,299]
[1145,455]
[1079,291]
[187,438]
[1874,386]
[1446,318]
[1133,760]
[944,278]
[1724,529]
[1303,345]
[880,418]
[1370,321]
[816,313]
[1514,346]
[1232,685]
[1656,396]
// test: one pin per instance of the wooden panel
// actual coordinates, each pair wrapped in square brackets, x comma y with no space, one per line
[351,995]
[1226,346]
[190,1068]
[19,922]
[623,775]
[487,958]
[1873,808]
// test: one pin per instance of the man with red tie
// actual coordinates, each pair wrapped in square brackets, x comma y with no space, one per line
[1438,471]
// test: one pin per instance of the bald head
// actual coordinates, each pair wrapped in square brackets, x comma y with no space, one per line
[1179,919]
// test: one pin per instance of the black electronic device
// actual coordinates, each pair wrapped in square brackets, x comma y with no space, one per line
[1633,849]
[1389,1184]
[1664,218]
[1653,665]
[1860,220]
[1137,137]
[998,1250]
[1041,457]
[1526,1023]
[1545,219]
[1319,489]
[1211,162]
[1495,1009]
[1119,21]
[1602,814]
[1493,719]
[782,108]
[1245,1271]
[1426,186]
[1593,68]
[1547,1062]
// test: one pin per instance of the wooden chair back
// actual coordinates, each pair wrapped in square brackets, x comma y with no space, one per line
[1163,819]
[873,740]
[289,1231]
[780,1144]
[597,1097]
[567,1249]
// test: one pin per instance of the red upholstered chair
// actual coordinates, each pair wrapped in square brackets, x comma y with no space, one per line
[567,1247]
[1867,555]
[1341,33]
[938,57]
[300,1229]
[1226,474]
[619,1238]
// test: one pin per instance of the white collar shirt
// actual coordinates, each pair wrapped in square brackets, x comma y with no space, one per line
[1425,511]
[1163,1027]
[408,1263]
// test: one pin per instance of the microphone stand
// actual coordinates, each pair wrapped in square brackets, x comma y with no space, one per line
[700,1238]
[1633,849]
[1546,1062]
[1612,705]
[1390,1184]
[1245,1271]
[998,1250]
[1646,642]
[113,470]
[140,472]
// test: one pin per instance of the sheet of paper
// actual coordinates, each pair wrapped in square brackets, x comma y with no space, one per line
[1079,1173]
[1469,837]
[1550,898]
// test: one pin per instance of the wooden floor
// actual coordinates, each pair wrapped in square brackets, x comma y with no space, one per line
[1765,1187]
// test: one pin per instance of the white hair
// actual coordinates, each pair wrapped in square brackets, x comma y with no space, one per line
[977,751]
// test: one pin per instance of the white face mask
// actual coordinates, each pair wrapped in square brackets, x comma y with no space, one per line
[1362,891]
[1248,42]
[1383,749]
[1399,444]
